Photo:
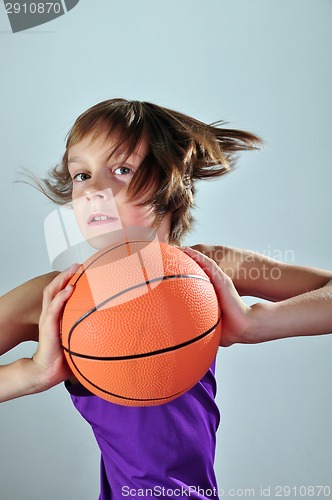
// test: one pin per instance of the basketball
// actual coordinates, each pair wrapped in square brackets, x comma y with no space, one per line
[142,325]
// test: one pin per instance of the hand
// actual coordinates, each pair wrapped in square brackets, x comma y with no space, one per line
[234,312]
[49,358]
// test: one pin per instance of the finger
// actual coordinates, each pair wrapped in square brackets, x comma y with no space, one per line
[49,351]
[56,285]
[223,284]
[55,308]
[208,265]
[62,279]
[60,282]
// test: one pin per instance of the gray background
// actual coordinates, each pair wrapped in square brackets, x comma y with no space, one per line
[262,65]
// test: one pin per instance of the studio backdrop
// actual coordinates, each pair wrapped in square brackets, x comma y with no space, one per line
[260,65]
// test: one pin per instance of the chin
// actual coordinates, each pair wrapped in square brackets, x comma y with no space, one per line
[104,240]
[128,233]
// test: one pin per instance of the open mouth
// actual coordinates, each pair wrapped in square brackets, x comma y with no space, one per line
[97,219]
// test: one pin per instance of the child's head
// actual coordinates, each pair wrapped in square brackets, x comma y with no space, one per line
[101,175]
[157,155]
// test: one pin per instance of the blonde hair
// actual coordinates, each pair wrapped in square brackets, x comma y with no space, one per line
[181,151]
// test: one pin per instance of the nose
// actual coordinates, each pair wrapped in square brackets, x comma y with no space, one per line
[98,194]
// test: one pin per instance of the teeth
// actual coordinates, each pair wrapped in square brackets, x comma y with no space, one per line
[101,217]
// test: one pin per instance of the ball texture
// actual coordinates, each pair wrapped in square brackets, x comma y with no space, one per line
[142,325]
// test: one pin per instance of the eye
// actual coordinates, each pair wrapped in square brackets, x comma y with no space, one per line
[81,177]
[123,170]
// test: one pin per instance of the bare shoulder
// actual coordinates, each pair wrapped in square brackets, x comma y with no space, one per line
[258,275]
[20,310]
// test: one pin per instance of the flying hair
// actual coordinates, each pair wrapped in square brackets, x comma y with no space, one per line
[181,151]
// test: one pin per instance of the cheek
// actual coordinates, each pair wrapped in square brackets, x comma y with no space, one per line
[137,216]
[79,212]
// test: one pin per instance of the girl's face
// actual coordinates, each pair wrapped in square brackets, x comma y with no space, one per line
[102,209]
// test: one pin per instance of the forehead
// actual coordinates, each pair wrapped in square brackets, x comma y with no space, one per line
[104,147]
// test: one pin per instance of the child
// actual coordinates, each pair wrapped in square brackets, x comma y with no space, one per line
[131,164]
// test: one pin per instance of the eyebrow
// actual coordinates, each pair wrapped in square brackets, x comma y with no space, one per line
[73,159]
[120,153]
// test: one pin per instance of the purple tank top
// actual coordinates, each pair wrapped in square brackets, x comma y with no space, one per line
[162,451]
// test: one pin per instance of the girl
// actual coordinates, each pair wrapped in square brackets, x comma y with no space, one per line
[131,166]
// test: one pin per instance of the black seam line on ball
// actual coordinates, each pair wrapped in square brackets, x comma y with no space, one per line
[106,252]
[165,398]
[138,285]
[145,354]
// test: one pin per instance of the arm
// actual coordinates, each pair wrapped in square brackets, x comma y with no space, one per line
[309,313]
[19,378]
[20,310]
[47,367]
[257,275]
[301,296]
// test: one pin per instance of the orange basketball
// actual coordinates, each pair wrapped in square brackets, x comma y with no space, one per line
[142,325]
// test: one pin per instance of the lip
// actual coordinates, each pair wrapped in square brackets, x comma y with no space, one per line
[110,219]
